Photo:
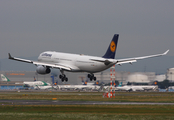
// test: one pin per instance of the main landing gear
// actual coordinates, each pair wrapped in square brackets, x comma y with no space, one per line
[63,76]
[92,77]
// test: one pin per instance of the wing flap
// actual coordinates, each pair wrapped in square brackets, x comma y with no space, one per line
[125,61]
[105,61]
[53,65]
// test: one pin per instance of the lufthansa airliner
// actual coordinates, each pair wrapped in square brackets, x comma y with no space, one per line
[79,62]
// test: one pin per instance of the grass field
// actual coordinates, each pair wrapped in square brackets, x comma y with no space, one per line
[92,96]
[88,112]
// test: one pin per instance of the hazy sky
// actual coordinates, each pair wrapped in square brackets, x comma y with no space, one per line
[29,27]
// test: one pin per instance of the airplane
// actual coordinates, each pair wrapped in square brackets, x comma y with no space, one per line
[113,85]
[4,78]
[79,62]
[44,87]
[35,83]
[136,87]
[79,87]
[74,87]
[87,83]
[92,86]
[171,87]
[129,88]
[84,85]
[26,84]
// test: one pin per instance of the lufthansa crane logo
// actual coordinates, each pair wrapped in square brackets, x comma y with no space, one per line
[112,46]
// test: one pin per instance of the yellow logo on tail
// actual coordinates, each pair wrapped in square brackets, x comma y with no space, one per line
[112,46]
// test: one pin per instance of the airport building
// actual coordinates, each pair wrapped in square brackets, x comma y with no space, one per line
[18,77]
[11,85]
[170,74]
[77,78]
[125,77]
[25,76]
[160,78]
[140,77]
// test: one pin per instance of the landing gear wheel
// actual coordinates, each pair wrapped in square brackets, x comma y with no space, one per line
[66,79]
[62,79]
[60,76]
[91,78]
[89,75]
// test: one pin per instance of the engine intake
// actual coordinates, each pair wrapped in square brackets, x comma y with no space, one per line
[43,70]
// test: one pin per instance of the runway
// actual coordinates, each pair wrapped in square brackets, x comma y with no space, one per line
[57,102]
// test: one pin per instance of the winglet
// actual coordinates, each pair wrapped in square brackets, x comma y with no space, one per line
[166,52]
[9,56]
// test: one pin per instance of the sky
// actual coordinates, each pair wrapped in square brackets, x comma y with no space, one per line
[29,27]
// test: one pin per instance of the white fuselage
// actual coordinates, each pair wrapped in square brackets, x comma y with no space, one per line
[78,87]
[136,87]
[77,63]
[38,83]
[44,87]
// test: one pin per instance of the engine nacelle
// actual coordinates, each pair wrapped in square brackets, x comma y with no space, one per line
[43,70]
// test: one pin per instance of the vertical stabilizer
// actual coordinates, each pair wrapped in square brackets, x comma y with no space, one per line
[34,78]
[44,83]
[120,85]
[85,82]
[96,83]
[3,78]
[110,53]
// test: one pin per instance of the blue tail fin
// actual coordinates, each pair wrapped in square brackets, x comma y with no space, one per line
[110,53]
[85,82]
[96,83]
[155,83]
[120,85]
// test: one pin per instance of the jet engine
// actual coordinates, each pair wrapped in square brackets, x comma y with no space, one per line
[43,70]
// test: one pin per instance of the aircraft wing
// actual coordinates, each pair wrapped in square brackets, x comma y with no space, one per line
[58,66]
[53,65]
[19,59]
[131,60]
